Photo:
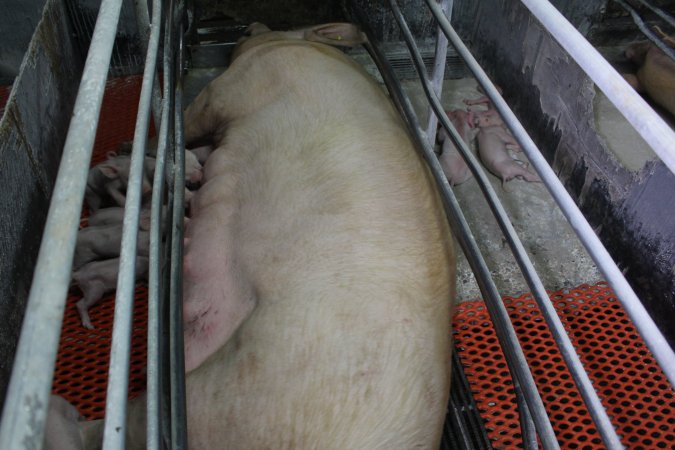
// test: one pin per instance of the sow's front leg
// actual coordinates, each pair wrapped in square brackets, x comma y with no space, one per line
[217,294]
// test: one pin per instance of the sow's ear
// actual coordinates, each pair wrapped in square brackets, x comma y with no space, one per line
[256,28]
[339,34]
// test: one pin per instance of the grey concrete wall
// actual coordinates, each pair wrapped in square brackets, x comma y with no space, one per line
[32,134]
[17,23]
[553,98]
[127,57]
[275,13]
[379,19]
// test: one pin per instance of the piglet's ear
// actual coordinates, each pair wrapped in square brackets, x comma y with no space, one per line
[338,34]
[108,170]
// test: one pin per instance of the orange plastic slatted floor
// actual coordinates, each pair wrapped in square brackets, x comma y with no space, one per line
[632,387]
[637,395]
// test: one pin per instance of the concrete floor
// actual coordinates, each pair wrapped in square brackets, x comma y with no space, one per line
[558,256]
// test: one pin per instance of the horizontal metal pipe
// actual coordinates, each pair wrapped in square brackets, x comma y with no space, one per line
[503,326]
[25,408]
[118,375]
[653,129]
[643,322]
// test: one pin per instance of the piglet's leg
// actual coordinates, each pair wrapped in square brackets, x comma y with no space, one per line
[93,292]
[114,189]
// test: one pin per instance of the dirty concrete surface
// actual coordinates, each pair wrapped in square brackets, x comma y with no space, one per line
[556,253]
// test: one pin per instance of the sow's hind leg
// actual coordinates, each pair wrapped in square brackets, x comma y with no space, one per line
[217,294]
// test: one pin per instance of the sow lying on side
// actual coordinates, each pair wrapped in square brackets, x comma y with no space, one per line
[319,270]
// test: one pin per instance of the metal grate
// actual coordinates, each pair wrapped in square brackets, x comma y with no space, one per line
[632,387]
[81,373]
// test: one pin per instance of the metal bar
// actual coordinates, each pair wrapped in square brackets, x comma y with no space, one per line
[654,130]
[659,12]
[118,376]
[155,291]
[464,396]
[503,326]
[528,432]
[169,170]
[581,379]
[655,341]
[178,404]
[436,81]
[144,27]
[438,72]
[27,398]
[649,34]
[484,183]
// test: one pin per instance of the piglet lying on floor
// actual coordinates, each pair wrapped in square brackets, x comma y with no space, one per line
[493,140]
[454,167]
[99,278]
[96,260]
[107,182]
[103,242]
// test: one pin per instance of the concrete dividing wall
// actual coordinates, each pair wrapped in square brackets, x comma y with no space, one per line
[275,13]
[32,134]
[17,23]
[630,209]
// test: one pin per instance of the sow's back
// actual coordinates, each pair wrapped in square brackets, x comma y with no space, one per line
[328,228]
[319,270]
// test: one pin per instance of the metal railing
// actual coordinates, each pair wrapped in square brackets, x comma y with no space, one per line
[25,408]
[26,405]
[647,122]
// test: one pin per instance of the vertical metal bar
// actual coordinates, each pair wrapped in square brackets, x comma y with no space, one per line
[527,429]
[155,291]
[168,69]
[528,432]
[178,405]
[461,231]
[637,312]
[27,398]
[650,125]
[143,22]
[438,71]
[436,82]
[567,351]
[118,375]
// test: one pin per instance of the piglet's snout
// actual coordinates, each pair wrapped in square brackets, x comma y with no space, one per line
[195,176]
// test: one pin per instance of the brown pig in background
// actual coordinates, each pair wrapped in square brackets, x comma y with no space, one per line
[319,270]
